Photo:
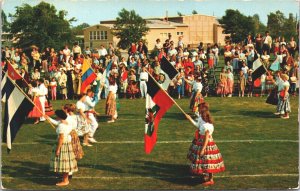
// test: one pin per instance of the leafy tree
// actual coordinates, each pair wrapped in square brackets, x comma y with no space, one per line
[129,28]
[179,14]
[289,27]
[5,24]
[41,25]
[78,30]
[194,12]
[259,27]
[275,23]
[237,24]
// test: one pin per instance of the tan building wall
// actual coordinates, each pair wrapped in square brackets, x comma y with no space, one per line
[101,35]
[163,33]
[201,29]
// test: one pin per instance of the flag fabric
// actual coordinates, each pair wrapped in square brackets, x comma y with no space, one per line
[169,72]
[258,68]
[275,66]
[107,69]
[17,107]
[88,75]
[257,63]
[157,104]
[12,73]
[3,86]
[258,72]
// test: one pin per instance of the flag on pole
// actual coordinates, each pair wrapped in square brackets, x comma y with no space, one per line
[275,66]
[3,86]
[158,103]
[12,73]
[258,69]
[107,69]
[88,75]
[17,107]
[169,72]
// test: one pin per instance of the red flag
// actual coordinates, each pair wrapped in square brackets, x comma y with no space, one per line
[257,82]
[157,104]
[12,73]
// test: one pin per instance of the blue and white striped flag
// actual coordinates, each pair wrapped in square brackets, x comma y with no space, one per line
[17,107]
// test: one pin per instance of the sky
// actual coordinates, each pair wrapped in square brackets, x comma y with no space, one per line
[94,11]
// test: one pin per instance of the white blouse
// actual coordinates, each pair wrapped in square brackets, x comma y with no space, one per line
[65,130]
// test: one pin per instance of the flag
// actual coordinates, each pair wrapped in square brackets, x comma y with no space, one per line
[258,72]
[12,73]
[107,69]
[157,104]
[17,107]
[258,69]
[257,63]
[88,75]
[275,66]
[169,72]
[3,87]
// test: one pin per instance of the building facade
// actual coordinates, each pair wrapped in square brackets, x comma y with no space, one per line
[194,29]
[97,35]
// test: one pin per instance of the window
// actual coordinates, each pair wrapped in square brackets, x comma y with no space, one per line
[103,35]
[98,35]
[91,35]
[95,35]
[179,33]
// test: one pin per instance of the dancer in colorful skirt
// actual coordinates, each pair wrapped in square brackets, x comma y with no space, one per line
[203,152]
[36,112]
[63,158]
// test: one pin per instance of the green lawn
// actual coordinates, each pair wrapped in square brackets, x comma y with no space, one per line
[259,150]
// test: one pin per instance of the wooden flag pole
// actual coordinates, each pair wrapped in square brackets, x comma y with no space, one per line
[30,100]
[167,94]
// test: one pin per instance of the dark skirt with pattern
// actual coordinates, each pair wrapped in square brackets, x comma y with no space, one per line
[210,162]
[65,162]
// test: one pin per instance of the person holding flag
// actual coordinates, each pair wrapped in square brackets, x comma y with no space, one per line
[203,152]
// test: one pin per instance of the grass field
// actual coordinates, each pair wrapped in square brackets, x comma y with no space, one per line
[259,150]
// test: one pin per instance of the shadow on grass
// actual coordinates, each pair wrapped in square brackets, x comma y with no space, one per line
[29,171]
[259,114]
[173,173]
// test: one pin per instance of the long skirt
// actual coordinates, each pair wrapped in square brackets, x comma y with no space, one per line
[65,162]
[210,162]
[284,106]
[82,126]
[48,108]
[229,86]
[36,111]
[111,105]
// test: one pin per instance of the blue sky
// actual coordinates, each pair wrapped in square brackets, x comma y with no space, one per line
[93,11]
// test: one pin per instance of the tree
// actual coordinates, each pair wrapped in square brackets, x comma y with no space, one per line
[237,24]
[289,27]
[129,28]
[41,25]
[5,24]
[275,23]
[179,14]
[259,27]
[194,12]
[78,30]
